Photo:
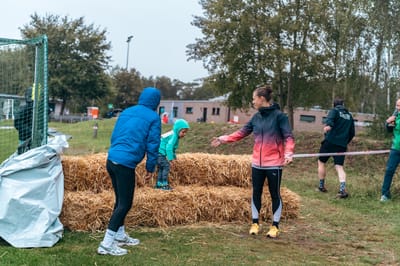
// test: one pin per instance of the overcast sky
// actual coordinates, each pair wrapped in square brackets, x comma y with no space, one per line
[161,30]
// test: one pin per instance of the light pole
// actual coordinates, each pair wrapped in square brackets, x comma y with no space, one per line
[127,51]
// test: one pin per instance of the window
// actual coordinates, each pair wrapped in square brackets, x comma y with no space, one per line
[161,110]
[307,118]
[215,111]
[365,123]
[175,111]
[189,110]
[324,120]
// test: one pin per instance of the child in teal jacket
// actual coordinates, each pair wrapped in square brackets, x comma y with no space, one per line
[166,152]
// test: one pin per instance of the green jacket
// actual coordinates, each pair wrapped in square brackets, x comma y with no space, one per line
[396,134]
[170,140]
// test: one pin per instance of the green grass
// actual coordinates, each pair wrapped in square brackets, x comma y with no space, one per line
[8,139]
[356,231]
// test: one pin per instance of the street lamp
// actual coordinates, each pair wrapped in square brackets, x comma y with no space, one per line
[127,52]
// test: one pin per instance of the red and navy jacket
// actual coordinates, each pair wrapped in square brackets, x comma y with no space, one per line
[273,137]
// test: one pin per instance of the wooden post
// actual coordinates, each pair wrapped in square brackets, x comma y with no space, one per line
[95,128]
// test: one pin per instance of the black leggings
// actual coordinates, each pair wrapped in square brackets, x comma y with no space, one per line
[123,181]
[274,177]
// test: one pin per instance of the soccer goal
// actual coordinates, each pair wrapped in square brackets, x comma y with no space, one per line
[23,95]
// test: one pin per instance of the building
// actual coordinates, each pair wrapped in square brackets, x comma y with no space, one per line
[210,111]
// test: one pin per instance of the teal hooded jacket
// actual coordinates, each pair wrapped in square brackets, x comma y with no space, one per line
[170,140]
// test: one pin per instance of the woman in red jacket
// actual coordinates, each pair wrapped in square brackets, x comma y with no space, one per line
[273,148]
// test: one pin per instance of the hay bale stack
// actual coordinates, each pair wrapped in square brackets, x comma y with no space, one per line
[89,172]
[85,211]
[208,188]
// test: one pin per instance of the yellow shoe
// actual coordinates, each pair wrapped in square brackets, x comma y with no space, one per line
[273,232]
[254,229]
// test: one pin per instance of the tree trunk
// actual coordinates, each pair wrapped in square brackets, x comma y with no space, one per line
[63,104]
[289,97]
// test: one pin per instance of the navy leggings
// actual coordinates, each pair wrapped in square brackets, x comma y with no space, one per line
[123,181]
[274,177]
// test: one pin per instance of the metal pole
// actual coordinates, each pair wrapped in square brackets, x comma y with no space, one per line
[127,51]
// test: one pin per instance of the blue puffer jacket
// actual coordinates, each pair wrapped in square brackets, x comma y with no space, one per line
[137,132]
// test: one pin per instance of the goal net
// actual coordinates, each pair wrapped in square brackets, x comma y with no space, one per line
[23,95]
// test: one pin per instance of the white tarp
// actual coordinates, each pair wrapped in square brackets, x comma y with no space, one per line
[31,196]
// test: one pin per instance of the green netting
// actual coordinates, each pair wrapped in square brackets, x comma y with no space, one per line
[23,95]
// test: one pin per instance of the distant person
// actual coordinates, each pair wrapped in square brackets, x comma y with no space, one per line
[392,125]
[391,119]
[136,133]
[166,152]
[165,118]
[273,149]
[339,131]
[23,123]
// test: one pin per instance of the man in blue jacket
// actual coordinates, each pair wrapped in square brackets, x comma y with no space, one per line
[136,133]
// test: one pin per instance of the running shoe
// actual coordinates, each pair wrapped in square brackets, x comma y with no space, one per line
[114,250]
[273,232]
[127,241]
[384,198]
[322,189]
[167,187]
[254,229]
[342,194]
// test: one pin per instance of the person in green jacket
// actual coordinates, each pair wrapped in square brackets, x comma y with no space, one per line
[392,125]
[166,152]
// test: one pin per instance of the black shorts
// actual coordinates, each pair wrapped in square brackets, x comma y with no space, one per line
[327,147]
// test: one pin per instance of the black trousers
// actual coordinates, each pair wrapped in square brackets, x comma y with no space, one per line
[123,182]
[273,177]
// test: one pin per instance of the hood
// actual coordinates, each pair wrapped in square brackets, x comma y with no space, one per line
[266,110]
[341,107]
[179,125]
[150,97]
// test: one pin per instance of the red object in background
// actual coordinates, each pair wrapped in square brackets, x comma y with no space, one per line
[165,119]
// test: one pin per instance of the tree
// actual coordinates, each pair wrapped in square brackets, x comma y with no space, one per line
[14,79]
[167,87]
[77,58]
[248,43]
[127,87]
[230,49]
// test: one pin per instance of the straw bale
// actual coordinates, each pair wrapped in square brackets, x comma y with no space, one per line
[86,172]
[89,172]
[85,211]
[211,169]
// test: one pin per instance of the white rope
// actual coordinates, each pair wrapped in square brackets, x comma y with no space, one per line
[304,155]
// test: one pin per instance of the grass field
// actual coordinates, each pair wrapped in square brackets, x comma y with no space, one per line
[355,231]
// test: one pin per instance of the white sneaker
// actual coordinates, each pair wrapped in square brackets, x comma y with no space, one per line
[114,250]
[126,241]
[384,198]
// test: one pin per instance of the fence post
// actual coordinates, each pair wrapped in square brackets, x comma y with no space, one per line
[95,128]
